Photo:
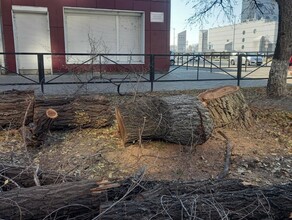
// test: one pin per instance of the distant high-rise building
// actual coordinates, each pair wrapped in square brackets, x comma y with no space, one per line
[259,9]
[182,42]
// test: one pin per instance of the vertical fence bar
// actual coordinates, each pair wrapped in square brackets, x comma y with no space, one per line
[239,66]
[152,70]
[211,64]
[41,70]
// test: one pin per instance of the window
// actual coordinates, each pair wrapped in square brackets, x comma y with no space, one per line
[243,32]
[227,40]
[254,31]
[104,32]
[242,47]
[243,39]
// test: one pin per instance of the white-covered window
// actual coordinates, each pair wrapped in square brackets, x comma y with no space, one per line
[104,32]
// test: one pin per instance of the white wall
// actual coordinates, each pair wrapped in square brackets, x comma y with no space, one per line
[247,35]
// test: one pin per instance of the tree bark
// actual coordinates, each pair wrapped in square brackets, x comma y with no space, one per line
[77,112]
[35,135]
[178,119]
[60,201]
[277,83]
[14,105]
[189,122]
[24,177]
[144,118]
[227,106]
[173,202]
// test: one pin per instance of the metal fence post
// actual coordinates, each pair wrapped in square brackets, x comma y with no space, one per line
[239,66]
[41,70]
[152,70]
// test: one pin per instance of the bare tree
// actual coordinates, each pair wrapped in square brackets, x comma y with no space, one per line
[277,83]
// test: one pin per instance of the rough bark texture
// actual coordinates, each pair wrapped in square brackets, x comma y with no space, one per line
[189,122]
[178,119]
[217,200]
[13,107]
[229,199]
[60,201]
[84,111]
[24,177]
[144,118]
[277,83]
[227,106]
[35,135]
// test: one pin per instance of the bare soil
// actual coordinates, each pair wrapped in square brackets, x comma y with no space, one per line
[261,154]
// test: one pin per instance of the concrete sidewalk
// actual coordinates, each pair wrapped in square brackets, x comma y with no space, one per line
[165,83]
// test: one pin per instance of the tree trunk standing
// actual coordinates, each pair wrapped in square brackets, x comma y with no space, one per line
[74,112]
[227,106]
[277,83]
[14,105]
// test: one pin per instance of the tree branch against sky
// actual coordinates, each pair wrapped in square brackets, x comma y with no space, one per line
[204,10]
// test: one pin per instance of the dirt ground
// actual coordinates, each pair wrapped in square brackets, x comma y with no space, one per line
[261,154]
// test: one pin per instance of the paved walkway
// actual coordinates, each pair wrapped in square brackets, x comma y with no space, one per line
[226,77]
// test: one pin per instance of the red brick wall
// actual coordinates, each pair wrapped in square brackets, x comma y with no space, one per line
[156,34]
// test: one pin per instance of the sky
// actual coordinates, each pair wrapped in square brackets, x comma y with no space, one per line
[180,12]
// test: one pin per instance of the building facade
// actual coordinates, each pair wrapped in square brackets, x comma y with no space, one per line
[252,36]
[182,42]
[83,26]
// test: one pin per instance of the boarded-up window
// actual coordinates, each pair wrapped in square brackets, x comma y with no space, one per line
[103,32]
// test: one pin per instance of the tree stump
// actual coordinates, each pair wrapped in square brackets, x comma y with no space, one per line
[76,112]
[35,134]
[178,119]
[16,108]
[227,106]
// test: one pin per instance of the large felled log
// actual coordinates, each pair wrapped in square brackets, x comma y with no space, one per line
[178,119]
[185,201]
[83,111]
[227,106]
[189,122]
[18,176]
[14,106]
[59,201]
[145,118]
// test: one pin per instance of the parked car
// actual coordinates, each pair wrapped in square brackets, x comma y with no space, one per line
[172,60]
[247,59]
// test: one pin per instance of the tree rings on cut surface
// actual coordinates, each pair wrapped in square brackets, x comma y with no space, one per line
[227,106]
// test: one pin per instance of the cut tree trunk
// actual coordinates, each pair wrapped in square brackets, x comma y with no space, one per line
[227,106]
[77,112]
[144,118]
[206,202]
[178,119]
[14,106]
[59,201]
[35,135]
[24,177]
[189,122]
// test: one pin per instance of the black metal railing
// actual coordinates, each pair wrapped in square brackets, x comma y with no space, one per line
[116,69]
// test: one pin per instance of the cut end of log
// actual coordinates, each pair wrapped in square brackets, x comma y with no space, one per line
[121,126]
[217,93]
[51,113]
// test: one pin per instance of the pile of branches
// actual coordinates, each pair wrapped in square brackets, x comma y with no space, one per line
[135,198]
